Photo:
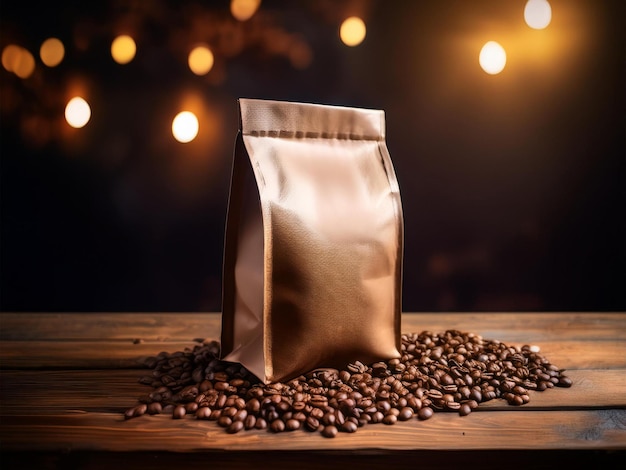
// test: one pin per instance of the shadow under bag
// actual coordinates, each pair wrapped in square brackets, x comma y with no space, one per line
[314,237]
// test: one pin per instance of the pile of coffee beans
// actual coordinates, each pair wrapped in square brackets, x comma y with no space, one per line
[452,371]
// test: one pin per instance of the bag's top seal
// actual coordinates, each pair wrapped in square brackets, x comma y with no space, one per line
[266,118]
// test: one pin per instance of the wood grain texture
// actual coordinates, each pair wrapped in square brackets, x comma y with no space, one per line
[514,327]
[105,340]
[607,354]
[65,380]
[580,429]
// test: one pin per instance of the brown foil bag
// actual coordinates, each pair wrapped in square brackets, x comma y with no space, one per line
[314,241]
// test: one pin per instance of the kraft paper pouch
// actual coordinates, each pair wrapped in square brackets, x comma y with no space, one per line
[314,241]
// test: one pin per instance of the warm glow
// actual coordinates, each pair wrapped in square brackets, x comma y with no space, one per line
[11,56]
[123,49]
[52,52]
[18,60]
[201,60]
[185,127]
[492,58]
[352,31]
[25,66]
[77,112]
[244,9]
[537,13]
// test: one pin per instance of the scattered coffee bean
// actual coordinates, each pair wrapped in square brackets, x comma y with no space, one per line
[465,409]
[451,371]
[224,421]
[405,414]
[329,431]
[154,408]
[203,413]
[292,424]
[179,412]
[277,425]
[390,419]
[348,426]
[235,427]
[425,413]
[135,411]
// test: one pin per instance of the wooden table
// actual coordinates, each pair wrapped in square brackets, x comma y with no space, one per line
[66,380]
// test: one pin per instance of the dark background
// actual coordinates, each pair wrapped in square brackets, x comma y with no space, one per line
[513,185]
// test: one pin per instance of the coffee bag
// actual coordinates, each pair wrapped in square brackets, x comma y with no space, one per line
[314,241]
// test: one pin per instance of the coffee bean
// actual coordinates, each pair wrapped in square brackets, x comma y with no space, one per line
[292,424]
[447,371]
[312,424]
[154,408]
[329,431]
[240,415]
[237,382]
[146,380]
[425,413]
[277,425]
[452,405]
[179,412]
[390,419]
[465,409]
[205,385]
[348,426]
[225,421]
[203,413]
[135,411]
[564,382]
[300,416]
[221,386]
[405,414]
[272,415]
[329,418]
[235,427]
[253,405]
[250,422]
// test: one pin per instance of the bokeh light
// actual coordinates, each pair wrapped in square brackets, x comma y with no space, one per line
[52,52]
[352,31]
[18,60]
[185,127]
[492,58]
[123,49]
[77,112]
[244,9]
[201,60]
[10,57]
[537,14]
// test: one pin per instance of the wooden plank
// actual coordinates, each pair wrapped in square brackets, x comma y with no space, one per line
[582,429]
[72,391]
[82,354]
[125,354]
[112,326]
[514,327]
[81,410]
